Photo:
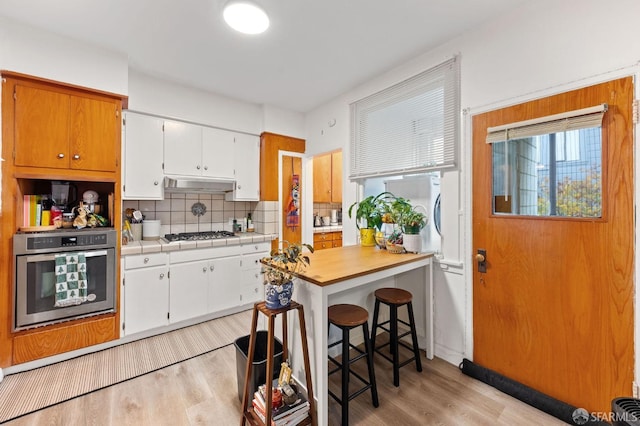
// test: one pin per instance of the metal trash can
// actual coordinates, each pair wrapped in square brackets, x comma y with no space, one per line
[259,370]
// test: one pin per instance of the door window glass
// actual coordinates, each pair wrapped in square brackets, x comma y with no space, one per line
[555,174]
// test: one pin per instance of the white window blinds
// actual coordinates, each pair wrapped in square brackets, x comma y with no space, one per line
[411,127]
[572,120]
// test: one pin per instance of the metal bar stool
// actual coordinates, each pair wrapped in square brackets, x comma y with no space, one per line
[346,317]
[394,298]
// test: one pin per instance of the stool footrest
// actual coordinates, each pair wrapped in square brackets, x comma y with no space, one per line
[351,395]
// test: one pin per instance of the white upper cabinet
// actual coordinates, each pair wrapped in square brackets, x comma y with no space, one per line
[217,153]
[142,173]
[182,149]
[247,168]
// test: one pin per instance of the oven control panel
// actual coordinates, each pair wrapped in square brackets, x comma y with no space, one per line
[61,241]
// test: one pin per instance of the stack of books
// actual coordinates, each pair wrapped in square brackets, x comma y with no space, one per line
[285,415]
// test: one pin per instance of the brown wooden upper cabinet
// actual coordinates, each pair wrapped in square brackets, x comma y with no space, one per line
[327,178]
[56,129]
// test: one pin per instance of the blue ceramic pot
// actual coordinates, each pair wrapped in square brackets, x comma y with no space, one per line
[278,296]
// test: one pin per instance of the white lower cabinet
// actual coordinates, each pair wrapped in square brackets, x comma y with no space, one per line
[162,289]
[146,292]
[223,283]
[188,290]
[251,288]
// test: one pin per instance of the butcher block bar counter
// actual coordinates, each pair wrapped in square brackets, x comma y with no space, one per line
[351,275]
[342,263]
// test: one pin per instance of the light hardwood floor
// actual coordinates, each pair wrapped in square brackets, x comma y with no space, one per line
[203,391]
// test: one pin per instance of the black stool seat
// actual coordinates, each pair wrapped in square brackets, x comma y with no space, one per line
[395,298]
[346,317]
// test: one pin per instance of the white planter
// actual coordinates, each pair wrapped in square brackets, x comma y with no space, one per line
[412,242]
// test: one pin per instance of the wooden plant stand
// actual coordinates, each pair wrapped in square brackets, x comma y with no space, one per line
[248,414]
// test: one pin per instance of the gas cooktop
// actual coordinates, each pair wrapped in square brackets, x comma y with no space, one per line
[194,236]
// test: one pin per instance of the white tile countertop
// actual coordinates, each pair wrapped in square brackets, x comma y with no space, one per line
[331,228]
[161,245]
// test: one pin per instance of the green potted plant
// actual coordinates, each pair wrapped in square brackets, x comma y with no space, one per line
[370,214]
[279,270]
[411,222]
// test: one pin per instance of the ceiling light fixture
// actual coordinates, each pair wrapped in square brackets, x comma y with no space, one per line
[246,17]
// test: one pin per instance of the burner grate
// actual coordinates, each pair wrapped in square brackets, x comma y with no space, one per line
[194,236]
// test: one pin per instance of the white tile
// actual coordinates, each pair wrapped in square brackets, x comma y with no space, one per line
[218,243]
[191,227]
[178,205]
[177,196]
[163,205]
[217,205]
[150,246]
[177,217]
[190,218]
[177,228]
[269,216]
[203,243]
[217,216]
[164,217]
[147,206]
[130,204]
[205,227]
[192,196]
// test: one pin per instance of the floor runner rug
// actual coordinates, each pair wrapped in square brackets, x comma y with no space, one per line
[32,390]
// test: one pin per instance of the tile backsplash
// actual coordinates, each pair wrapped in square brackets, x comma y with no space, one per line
[324,209]
[175,215]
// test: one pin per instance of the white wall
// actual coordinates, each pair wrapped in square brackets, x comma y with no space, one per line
[282,122]
[156,96]
[543,47]
[29,50]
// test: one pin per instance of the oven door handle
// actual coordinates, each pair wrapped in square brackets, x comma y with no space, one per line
[52,256]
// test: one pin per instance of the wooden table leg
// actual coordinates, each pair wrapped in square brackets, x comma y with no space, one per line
[249,368]
[307,369]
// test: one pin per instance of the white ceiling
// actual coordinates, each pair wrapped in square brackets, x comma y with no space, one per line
[313,51]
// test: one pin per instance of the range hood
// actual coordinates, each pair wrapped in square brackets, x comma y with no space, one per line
[197,184]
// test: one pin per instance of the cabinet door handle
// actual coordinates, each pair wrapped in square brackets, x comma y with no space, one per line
[198,167]
[204,269]
[76,157]
[146,260]
[155,182]
[206,167]
[162,275]
[239,186]
[61,155]
[211,268]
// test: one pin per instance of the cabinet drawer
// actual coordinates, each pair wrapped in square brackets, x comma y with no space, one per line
[322,236]
[322,245]
[252,261]
[145,260]
[257,248]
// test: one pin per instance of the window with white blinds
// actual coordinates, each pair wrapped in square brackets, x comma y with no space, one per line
[411,127]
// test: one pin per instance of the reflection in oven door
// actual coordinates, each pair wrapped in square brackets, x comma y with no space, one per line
[36,289]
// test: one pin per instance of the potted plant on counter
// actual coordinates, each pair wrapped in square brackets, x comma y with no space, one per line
[279,270]
[411,222]
[370,213]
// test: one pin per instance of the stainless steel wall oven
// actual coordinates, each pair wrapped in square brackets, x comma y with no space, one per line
[63,275]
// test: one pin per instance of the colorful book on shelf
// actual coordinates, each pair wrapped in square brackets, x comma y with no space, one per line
[26,210]
[291,419]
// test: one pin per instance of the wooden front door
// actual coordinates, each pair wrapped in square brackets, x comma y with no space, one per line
[554,309]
